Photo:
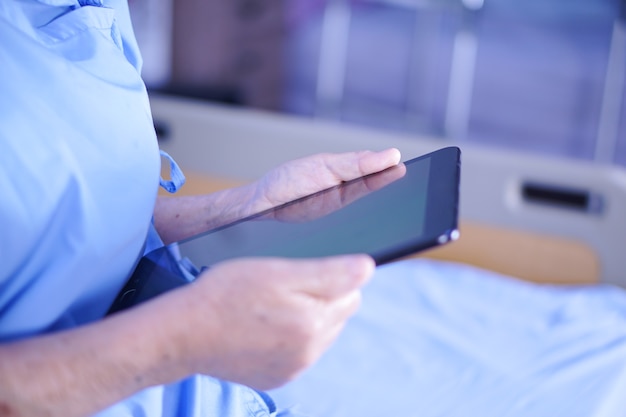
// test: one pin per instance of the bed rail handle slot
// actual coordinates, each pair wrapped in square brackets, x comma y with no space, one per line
[565,197]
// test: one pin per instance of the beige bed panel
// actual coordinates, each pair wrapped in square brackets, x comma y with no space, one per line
[501,229]
[530,256]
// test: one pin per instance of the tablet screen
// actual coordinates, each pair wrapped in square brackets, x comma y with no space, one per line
[393,213]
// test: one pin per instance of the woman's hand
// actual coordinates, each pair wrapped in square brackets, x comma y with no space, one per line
[314,173]
[177,218]
[260,322]
[335,198]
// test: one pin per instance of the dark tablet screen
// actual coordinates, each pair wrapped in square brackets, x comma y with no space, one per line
[387,215]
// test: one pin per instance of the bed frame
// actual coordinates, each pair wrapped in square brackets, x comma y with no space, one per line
[543,219]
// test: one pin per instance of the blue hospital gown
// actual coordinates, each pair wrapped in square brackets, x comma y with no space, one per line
[79,175]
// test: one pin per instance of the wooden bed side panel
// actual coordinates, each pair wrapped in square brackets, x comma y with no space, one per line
[529,256]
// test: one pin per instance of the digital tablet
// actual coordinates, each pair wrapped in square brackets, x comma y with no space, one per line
[390,214]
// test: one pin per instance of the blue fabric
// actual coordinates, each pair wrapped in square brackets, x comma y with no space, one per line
[437,339]
[197,396]
[177,177]
[77,145]
[79,173]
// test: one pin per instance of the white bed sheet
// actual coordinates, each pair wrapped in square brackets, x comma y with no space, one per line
[444,339]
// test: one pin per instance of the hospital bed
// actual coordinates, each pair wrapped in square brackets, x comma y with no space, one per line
[523,316]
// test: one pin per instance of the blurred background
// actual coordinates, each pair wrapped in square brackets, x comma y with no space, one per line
[542,76]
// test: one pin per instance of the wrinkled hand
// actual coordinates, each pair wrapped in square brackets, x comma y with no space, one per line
[260,322]
[335,198]
[178,218]
[311,174]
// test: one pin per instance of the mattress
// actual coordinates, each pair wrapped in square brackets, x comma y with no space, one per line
[438,338]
